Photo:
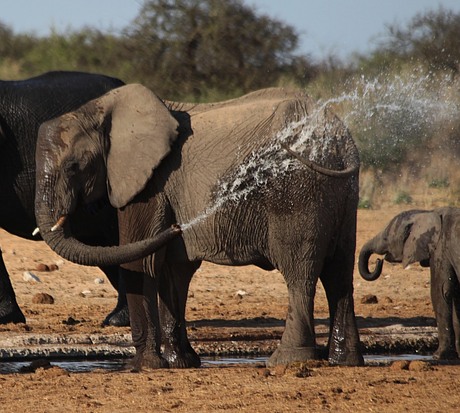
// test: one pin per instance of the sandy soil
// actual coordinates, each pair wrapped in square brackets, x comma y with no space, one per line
[229,309]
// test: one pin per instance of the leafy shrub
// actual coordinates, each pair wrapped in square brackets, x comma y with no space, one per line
[403,197]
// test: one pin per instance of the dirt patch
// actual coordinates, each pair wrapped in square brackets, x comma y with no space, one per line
[230,311]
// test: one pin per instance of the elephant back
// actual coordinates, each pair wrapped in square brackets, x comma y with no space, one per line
[236,144]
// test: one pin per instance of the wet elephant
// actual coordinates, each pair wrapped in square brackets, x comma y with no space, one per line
[293,165]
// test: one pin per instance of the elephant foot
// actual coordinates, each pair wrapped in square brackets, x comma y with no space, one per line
[445,354]
[118,317]
[284,355]
[11,314]
[182,359]
[346,358]
[146,360]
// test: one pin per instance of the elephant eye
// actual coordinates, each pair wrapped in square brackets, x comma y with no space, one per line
[406,234]
[71,167]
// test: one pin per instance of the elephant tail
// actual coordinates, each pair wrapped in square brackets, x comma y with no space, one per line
[343,173]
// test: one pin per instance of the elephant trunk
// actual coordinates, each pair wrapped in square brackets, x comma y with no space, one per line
[63,243]
[363,263]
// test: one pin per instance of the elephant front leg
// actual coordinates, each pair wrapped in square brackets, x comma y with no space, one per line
[298,342]
[442,287]
[142,300]
[173,290]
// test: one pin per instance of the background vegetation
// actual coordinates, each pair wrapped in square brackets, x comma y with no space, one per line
[401,101]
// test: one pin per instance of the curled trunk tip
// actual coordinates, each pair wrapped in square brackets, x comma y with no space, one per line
[363,266]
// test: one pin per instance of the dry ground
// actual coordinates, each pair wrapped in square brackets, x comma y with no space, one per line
[225,304]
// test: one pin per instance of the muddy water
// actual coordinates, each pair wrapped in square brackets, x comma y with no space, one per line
[80,366]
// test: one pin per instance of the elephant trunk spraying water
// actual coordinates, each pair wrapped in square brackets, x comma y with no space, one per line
[220,170]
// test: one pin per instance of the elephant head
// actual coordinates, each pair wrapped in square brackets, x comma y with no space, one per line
[409,237]
[109,147]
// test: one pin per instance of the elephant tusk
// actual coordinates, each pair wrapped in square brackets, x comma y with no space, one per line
[60,222]
[36,231]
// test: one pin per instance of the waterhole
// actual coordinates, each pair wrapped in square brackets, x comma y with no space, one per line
[88,365]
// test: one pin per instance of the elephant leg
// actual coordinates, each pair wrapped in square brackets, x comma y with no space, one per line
[119,316]
[456,319]
[141,294]
[173,291]
[442,300]
[337,279]
[298,342]
[9,309]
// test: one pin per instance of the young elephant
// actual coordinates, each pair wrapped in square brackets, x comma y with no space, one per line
[433,239]
[221,167]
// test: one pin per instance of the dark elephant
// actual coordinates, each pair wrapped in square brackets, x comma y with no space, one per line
[242,200]
[431,238]
[24,105]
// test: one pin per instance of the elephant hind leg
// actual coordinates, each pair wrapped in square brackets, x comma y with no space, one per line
[298,342]
[337,279]
[119,316]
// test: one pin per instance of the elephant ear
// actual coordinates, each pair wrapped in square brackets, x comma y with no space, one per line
[142,132]
[422,239]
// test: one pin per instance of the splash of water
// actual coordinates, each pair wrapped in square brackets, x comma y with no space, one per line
[270,161]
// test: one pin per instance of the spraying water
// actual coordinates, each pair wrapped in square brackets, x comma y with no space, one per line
[385,115]
[271,161]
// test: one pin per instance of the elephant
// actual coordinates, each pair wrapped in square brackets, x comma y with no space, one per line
[24,105]
[269,179]
[432,238]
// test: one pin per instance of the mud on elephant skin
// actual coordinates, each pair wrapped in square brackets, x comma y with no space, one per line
[165,162]
[24,105]
[431,238]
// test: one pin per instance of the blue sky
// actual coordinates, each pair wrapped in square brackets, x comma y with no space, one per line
[326,27]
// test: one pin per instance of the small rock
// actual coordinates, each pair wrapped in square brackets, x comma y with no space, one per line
[419,365]
[369,299]
[42,267]
[98,281]
[387,300]
[85,293]
[400,365]
[45,268]
[240,294]
[29,276]
[42,298]
[36,364]
[278,370]
[71,321]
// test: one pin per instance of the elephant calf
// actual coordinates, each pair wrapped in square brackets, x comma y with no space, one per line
[433,239]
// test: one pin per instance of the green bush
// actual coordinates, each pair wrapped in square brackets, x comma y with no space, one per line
[403,197]
[364,203]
